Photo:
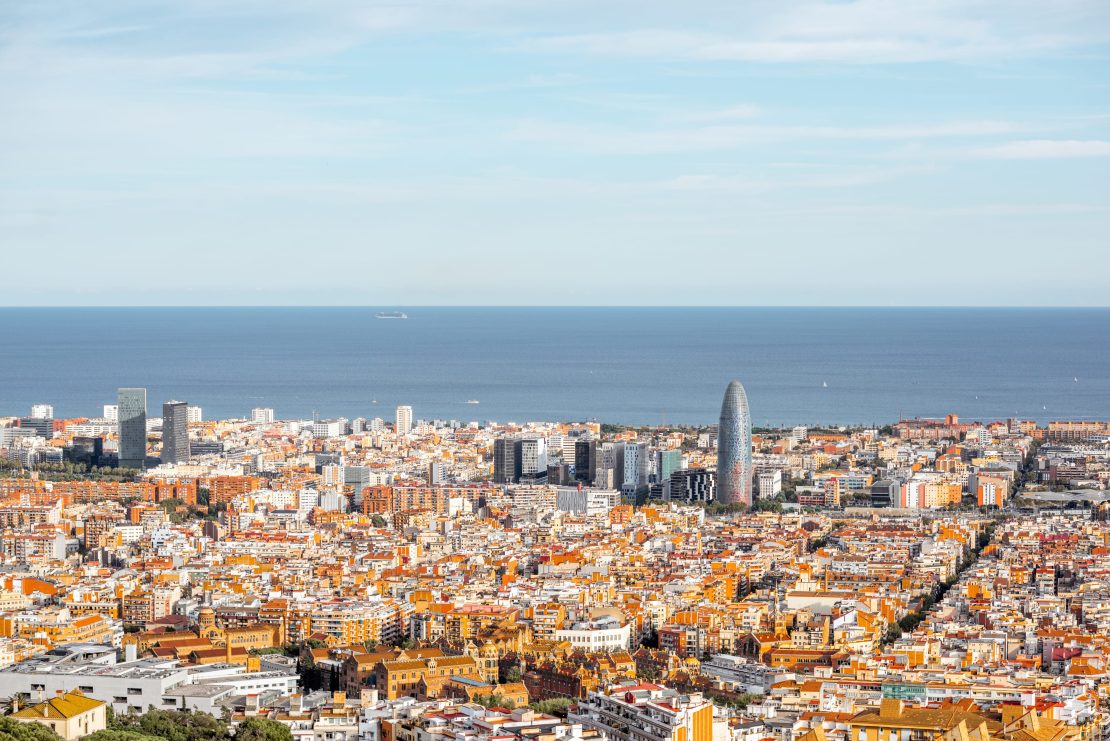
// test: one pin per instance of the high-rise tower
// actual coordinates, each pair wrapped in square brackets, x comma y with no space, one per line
[175,432]
[734,448]
[132,427]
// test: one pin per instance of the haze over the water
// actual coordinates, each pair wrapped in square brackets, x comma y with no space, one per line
[561,153]
[635,366]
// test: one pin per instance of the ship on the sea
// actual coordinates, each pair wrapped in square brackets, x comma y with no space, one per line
[391,315]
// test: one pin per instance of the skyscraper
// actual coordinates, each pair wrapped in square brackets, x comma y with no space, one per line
[403,425]
[175,432]
[734,448]
[506,460]
[131,413]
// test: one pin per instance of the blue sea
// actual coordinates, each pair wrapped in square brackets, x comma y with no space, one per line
[620,365]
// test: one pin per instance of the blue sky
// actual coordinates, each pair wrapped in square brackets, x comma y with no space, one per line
[555,152]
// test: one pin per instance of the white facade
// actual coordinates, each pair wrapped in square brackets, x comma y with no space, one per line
[598,635]
[194,414]
[533,456]
[403,420]
[111,412]
[262,415]
[42,411]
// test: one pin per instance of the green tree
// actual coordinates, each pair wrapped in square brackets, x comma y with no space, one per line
[262,729]
[13,730]
[114,734]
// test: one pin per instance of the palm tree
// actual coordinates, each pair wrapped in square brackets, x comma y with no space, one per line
[13,703]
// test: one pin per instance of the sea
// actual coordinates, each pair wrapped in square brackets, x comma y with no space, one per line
[636,366]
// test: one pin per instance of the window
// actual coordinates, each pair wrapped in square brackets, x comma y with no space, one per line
[134,691]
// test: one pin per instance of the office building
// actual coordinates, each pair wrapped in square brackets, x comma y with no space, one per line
[403,423]
[39,426]
[506,460]
[194,415]
[262,415]
[770,483]
[734,448]
[42,411]
[111,413]
[692,485]
[635,468]
[533,458]
[585,460]
[175,432]
[131,403]
[666,463]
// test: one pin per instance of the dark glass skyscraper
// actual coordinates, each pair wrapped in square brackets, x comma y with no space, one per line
[175,432]
[734,448]
[132,427]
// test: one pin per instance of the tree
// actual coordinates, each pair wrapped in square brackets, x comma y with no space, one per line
[555,706]
[14,703]
[378,520]
[262,729]
[114,734]
[13,730]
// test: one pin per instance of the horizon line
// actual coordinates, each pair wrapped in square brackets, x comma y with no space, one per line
[557,306]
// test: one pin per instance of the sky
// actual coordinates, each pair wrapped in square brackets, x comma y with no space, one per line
[554,152]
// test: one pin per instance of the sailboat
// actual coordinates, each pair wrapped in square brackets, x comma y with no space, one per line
[824,384]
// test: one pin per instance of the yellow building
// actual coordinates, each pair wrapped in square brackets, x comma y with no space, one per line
[70,715]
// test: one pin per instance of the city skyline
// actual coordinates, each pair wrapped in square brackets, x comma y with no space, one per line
[431,154]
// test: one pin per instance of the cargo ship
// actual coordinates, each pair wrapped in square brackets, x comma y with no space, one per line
[391,315]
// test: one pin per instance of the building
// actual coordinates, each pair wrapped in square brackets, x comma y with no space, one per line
[667,462]
[533,457]
[110,412]
[894,720]
[506,460]
[42,411]
[640,711]
[734,448]
[770,483]
[635,472]
[693,485]
[71,715]
[585,460]
[132,427]
[175,432]
[195,415]
[403,420]
[262,415]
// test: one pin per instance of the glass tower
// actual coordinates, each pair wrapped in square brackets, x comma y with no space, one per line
[734,448]
[132,427]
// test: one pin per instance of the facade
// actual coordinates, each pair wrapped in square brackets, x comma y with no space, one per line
[646,712]
[585,460]
[693,485]
[71,715]
[734,448]
[533,456]
[506,460]
[42,411]
[175,432]
[635,475]
[262,415]
[403,420]
[131,411]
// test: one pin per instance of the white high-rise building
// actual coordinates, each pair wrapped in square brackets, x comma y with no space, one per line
[42,411]
[533,456]
[262,415]
[194,414]
[111,412]
[403,424]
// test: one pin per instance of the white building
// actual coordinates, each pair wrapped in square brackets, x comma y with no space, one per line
[194,414]
[262,415]
[602,634]
[403,420]
[533,456]
[111,412]
[42,411]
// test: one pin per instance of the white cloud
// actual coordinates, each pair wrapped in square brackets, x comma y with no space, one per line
[1033,149]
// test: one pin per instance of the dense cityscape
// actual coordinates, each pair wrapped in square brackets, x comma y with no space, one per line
[371,580]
